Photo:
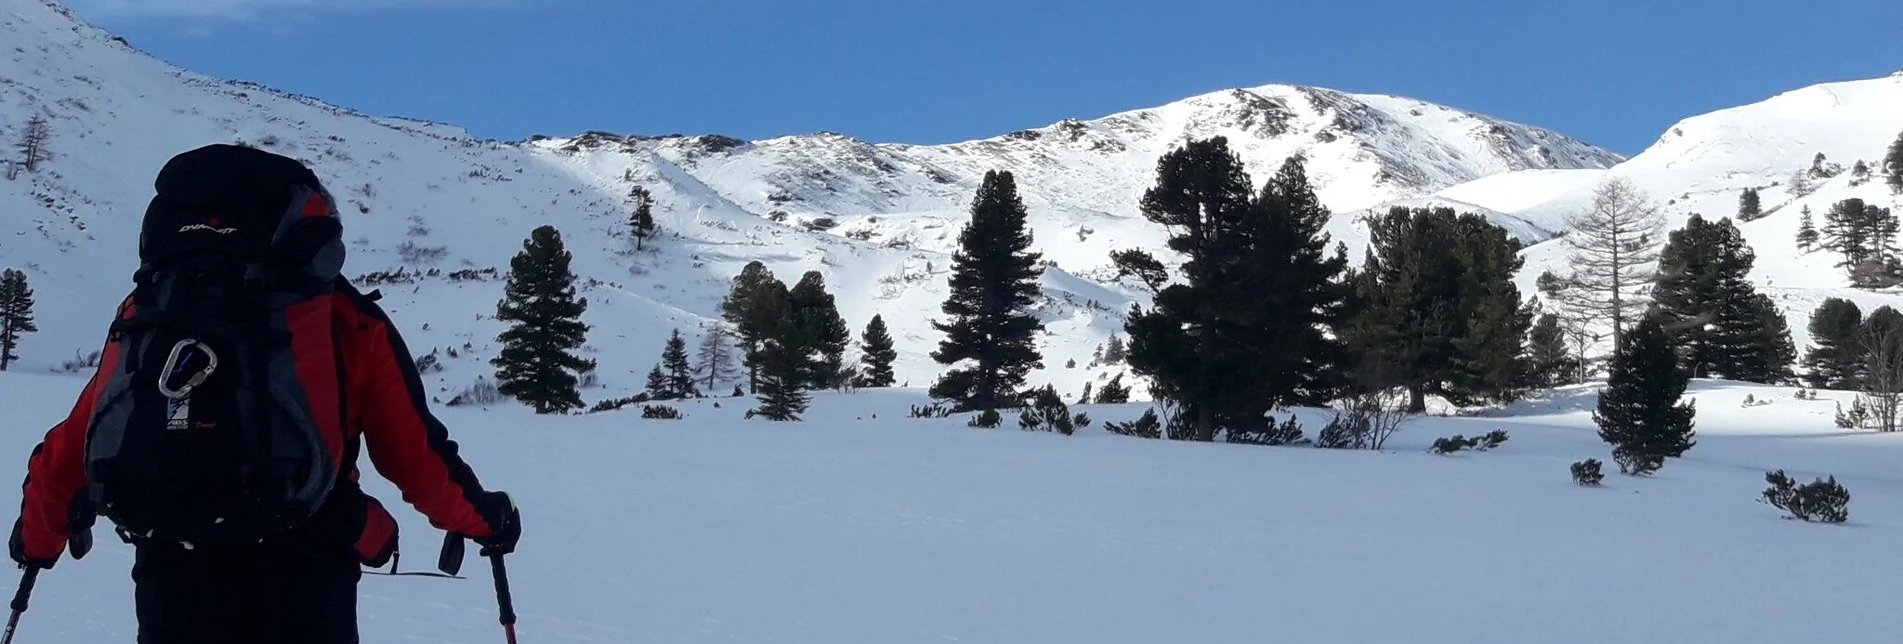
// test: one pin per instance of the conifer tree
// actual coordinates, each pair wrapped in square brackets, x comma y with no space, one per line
[1549,362]
[713,363]
[750,321]
[785,360]
[1806,231]
[32,143]
[1639,412]
[1113,392]
[16,314]
[1801,184]
[1836,358]
[990,334]
[1142,266]
[1749,205]
[1707,302]
[1114,352]
[537,364]
[876,355]
[1612,246]
[641,223]
[1893,166]
[680,372]
[825,333]
[657,388]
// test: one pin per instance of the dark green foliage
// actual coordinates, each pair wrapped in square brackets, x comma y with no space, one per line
[657,388]
[1490,440]
[931,411]
[1750,207]
[876,356]
[1821,501]
[16,314]
[613,404]
[660,412]
[1145,426]
[1836,358]
[1865,235]
[1142,266]
[1708,304]
[1893,166]
[990,335]
[1263,431]
[1548,362]
[750,321]
[1114,352]
[738,392]
[641,223]
[1587,472]
[1113,392]
[784,362]
[680,373]
[1244,331]
[536,364]
[1639,412]
[1438,311]
[1085,399]
[823,335]
[1806,231]
[1344,431]
[1445,446]
[1049,414]
[987,419]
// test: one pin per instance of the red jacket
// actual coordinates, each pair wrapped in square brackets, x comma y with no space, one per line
[388,411]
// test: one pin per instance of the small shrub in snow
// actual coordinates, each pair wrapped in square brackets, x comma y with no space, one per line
[429,364]
[81,362]
[411,253]
[931,411]
[483,392]
[1113,392]
[660,412]
[1636,463]
[1587,472]
[1049,413]
[1489,441]
[1821,501]
[1455,443]
[1343,432]
[988,419]
[1857,417]
[738,392]
[1752,401]
[1266,432]
[612,404]
[1145,426]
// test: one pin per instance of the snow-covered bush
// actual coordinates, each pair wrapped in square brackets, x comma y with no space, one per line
[660,412]
[429,363]
[1821,501]
[1449,445]
[482,392]
[411,253]
[1145,426]
[1587,472]
[80,363]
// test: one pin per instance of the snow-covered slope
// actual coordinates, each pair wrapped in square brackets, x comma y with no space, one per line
[1702,164]
[863,526]
[426,197]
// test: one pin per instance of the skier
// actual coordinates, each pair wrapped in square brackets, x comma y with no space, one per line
[221,431]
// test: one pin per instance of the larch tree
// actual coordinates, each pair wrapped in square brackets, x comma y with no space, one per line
[714,361]
[1613,246]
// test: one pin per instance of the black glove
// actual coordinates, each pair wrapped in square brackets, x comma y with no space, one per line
[16,546]
[505,521]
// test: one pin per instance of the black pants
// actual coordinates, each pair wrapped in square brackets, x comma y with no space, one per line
[287,591]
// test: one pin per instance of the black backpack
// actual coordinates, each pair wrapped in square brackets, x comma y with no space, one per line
[222,418]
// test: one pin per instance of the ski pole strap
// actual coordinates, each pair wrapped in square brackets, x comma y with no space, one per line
[503,600]
[26,588]
[451,560]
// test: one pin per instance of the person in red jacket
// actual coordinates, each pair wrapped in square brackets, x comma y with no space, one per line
[299,585]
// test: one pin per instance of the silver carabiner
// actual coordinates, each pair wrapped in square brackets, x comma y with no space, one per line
[171,364]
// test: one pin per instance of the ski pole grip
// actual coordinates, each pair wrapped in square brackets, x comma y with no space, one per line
[504,601]
[26,588]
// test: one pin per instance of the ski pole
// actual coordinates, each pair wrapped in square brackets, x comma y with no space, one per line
[503,600]
[19,602]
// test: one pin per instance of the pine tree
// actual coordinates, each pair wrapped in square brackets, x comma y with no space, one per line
[1639,412]
[1114,352]
[641,223]
[876,355]
[16,314]
[536,364]
[1709,305]
[1549,362]
[1806,231]
[1113,392]
[1612,245]
[680,372]
[1142,266]
[657,388]
[749,320]
[824,332]
[1893,166]
[1749,205]
[1836,358]
[785,361]
[990,336]
[713,363]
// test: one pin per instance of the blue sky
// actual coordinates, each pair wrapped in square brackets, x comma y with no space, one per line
[1616,73]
